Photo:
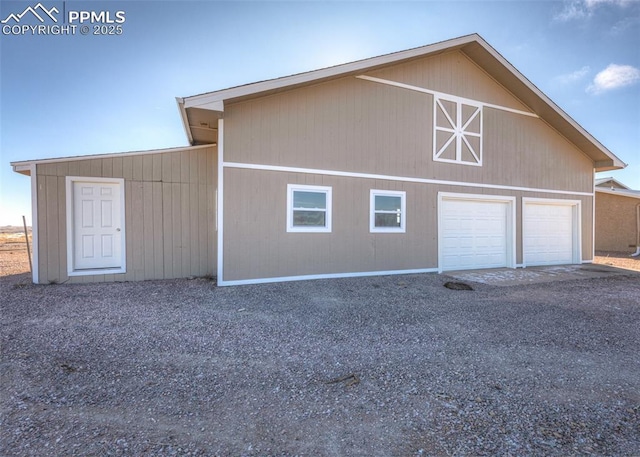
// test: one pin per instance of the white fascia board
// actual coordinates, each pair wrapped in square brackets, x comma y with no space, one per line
[203,100]
[110,155]
[22,167]
[215,105]
[184,118]
[616,163]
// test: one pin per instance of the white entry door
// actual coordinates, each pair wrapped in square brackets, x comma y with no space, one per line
[97,225]
[551,232]
[475,232]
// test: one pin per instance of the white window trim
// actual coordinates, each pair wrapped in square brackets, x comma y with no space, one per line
[71,271]
[372,211]
[291,188]
[458,132]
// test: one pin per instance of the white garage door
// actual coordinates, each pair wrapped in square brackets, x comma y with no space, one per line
[550,235]
[474,233]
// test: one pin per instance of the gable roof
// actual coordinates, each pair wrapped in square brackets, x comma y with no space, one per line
[615,188]
[620,192]
[24,166]
[200,130]
[603,182]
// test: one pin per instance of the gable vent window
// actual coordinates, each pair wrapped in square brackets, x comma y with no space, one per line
[457,131]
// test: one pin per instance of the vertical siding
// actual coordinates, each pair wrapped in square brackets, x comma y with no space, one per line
[257,244]
[355,125]
[169,214]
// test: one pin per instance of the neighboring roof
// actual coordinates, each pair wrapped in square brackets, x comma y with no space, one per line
[473,46]
[620,192]
[604,182]
[24,166]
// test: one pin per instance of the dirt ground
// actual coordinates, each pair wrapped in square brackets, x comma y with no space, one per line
[13,251]
[385,366]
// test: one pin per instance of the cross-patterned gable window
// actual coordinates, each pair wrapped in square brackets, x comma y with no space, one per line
[457,131]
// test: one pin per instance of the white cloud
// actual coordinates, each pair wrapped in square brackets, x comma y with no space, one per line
[573,77]
[581,9]
[614,77]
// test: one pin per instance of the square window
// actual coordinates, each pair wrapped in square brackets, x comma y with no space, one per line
[308,208]
[387,211]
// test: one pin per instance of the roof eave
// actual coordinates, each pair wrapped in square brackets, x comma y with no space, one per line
[608,165]
[619,192]
[475,47]
[287,82]
[485,56]
[184,118]
[24,168]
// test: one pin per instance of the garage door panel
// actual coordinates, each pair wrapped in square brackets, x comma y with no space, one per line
[474,234]
[549,234]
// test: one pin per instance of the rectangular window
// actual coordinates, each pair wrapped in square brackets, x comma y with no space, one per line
[387,211]
[308,208]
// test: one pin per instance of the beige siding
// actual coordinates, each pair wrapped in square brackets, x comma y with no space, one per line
[169,214]
[360,126]
[451,73]
[616,226]
[257,244]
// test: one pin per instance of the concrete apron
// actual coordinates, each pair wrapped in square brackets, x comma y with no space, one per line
[534,275]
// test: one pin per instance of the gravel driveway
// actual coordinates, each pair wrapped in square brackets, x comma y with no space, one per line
[385,366]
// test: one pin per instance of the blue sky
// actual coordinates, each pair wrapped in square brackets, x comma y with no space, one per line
[83,94]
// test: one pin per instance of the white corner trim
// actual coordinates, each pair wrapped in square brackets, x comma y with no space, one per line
[511,221]
[35,276]
[240,282]
[348,174]
[220,212]
[452,97]
[71,271]
[593,219]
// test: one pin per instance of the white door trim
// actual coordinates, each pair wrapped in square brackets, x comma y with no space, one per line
[511,221]
[71,270]
[576,213]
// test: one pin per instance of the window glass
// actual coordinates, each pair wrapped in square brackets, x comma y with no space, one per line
[314,200]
